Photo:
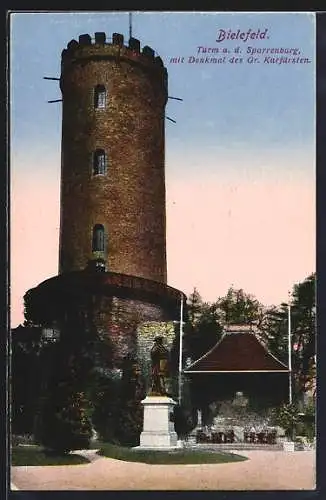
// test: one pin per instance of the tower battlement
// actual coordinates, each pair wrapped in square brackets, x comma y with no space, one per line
[99,46]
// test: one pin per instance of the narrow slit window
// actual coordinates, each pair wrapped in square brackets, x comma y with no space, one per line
[99,162]
[99,97]
[98,238]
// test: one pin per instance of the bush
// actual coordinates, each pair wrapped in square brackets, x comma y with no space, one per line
[287,417]
[184,421]
[104,397]
[306,427]
[63,424]
[130,424]
[130,415]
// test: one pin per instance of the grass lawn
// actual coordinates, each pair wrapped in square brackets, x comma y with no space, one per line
[34,455]
[168,457]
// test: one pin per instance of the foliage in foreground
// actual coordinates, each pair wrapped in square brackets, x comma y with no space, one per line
[36,455]
[103,394]
[303,335]
[63,423]
[295,422]
[130,415]
[307,425]
[286,416]
[168,457]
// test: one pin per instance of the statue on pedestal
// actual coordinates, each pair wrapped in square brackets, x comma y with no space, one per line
[160,368]
[158,427]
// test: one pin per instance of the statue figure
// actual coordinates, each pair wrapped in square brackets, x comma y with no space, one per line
[160,368]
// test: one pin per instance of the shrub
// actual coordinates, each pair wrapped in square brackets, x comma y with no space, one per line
[65,425]
[286,416]
[104,396]
[306,426]
[130,424]
[130,415]
[184,421]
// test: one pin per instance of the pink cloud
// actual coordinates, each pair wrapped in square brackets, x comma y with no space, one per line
[34,235]
[259,236]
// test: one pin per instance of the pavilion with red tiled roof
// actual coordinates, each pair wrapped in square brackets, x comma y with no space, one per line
[239,350]
[239,362]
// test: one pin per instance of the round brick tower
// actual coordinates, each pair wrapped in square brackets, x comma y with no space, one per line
[112,177]
[112,252]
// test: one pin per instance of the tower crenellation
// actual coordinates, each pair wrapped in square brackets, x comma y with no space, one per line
[89,47]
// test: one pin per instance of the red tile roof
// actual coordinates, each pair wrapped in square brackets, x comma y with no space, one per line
[238,350]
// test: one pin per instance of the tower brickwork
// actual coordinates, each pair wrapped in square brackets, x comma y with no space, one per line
[112,251]
[112,173]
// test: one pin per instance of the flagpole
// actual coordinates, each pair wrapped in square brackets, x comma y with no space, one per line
[130,25]
[180,351]
[289,348]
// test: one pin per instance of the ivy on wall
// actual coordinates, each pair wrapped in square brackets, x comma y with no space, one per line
[146,334]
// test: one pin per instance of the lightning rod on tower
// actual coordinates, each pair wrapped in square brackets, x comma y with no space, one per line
[130,25]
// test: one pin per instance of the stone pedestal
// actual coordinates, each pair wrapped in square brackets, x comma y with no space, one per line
[158,429]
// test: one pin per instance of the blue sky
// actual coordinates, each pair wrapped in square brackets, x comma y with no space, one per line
[237,125]
[239,105]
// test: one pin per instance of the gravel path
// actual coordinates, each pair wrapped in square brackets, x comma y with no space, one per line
[265,470]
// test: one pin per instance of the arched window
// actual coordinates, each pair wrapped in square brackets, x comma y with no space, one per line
[99,97]
[98,238]
[99,162]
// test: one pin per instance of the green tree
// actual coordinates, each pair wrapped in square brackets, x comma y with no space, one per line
[287,417]
[195,306]
[63,422]
[202,330]
[63,417]
[207,320]
[275,331]
[238,307]
[25,377]
[303,334]
[303,313]
[203,334]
